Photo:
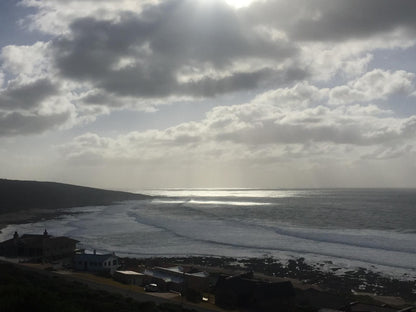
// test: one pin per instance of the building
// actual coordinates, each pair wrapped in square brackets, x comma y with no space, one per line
[242,291]
[366,307]
[129,277]
[96,262]
[177,278]
[38,247]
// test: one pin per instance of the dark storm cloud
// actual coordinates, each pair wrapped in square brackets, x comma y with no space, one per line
[335,20]
[26,96]
[21,124]
[160,42]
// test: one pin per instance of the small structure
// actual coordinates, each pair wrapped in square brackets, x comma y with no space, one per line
[177,278]
[242,291]
[38,247]
[129,277]
[96,262]
[366,307]
[318,298]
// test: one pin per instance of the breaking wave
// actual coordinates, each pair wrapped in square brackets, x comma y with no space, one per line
[242,227]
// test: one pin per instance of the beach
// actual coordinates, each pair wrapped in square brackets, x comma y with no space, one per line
[28,216]
[348,241]
[341,230]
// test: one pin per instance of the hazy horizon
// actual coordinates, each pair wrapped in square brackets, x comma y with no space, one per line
[271,94]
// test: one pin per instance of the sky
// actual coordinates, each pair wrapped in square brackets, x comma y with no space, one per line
[130,94]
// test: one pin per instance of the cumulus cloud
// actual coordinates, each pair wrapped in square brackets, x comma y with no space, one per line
[27,62]
[334,20]
[374,85]
[54,16]
[16,123]
[114,55]
[390,152]
[26,96]
[302,90]
[144,55]
[277,126]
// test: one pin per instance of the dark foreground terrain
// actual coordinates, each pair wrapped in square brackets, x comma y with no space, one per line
[23,290]
[335,290]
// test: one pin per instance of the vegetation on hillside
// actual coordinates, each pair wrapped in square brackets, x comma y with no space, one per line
[22,291]
[25,195]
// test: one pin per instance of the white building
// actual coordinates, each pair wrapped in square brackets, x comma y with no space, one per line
[95,262]
[176,278]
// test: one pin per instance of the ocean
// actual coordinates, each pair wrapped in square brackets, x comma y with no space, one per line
[342,228]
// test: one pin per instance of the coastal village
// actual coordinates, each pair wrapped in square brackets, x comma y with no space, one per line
[194,286]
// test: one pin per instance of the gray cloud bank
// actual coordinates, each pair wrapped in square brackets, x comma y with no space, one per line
[191,49]
[337,20]
[167,41]
[306,65]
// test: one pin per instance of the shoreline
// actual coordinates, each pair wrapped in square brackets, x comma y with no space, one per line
[29,216]
[344,280]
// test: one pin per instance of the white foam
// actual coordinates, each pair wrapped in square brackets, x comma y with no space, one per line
[148,228]
[243,193]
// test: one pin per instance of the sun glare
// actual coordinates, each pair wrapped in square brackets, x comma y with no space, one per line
[239,3]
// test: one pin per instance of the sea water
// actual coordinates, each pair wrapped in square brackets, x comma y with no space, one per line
[372,228]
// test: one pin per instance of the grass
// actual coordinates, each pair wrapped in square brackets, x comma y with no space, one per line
[24,290]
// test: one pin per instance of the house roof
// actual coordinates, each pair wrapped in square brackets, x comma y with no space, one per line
[165,276]
[130,273]
[180,270]
[37,241]
[93,257]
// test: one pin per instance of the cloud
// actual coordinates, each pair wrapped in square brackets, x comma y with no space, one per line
[209,87]
[390,152]
[27,62]
[114,55]
[16,123]
[320,124]
[334,20]
[54,16]
[374,85]
[26,96]
[336,37]
[278,126]
[144,55]
[301,95]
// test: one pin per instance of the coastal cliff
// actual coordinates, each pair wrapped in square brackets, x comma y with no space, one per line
[31,200]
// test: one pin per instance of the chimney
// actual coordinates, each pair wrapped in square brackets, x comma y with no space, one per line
[95,252]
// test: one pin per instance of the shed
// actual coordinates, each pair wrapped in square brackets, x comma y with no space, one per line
[129,277]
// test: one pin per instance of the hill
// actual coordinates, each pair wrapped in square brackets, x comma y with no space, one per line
[22,289]
[26,195]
